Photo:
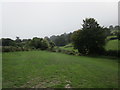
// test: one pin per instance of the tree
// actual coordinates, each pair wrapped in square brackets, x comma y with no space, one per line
[114,30]
[111,27]
[39,43]
[36,43]
[61,40]
[91,39]
[18,40]
[7,42]
[51,44]
[69,37]
[107,31]
[44,45]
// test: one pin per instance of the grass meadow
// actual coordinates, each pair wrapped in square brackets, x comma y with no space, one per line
[41,69]
[112,45]
[68,47]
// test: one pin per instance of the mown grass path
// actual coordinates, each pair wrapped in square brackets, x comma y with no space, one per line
[46,69]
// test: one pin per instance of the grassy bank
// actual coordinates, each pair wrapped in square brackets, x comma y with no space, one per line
[112,45]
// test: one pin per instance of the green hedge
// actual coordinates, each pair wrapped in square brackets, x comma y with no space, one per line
[13,49]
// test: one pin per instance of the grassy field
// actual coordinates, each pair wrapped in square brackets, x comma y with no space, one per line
[68,47]
[112,45]
[37,69]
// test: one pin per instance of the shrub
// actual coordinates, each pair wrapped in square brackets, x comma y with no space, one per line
[6,49]
[113,53]
[13,49]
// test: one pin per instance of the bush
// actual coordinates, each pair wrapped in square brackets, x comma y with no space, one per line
[90,39]
[13,49]
[51,49]
[6,49]
[113,53]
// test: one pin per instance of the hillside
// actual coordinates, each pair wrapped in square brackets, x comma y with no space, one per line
[112,45]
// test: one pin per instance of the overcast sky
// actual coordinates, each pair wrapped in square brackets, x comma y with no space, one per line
[37,19]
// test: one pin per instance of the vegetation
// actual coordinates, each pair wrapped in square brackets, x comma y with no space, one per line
[114,30]
[61,40]
[41,69]
[39,43]
[112,45]
[69,47]
[91,39]
[8,42]
[9,45]
[38,64]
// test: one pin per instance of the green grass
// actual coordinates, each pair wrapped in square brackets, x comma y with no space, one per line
[68,47]
[47,69]
[112,45]
[108,37]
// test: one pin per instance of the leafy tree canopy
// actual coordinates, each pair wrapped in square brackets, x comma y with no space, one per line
[90,39]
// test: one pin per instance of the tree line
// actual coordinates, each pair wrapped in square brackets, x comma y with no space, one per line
[90,39]
[26,44]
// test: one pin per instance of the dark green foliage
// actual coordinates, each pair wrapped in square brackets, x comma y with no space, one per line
[36,42]
[115,30]
[111,27]
[7,49]
[8,42]
[9,45]
[44,45]
[61,40]
[13,49]
[39,43]
[118,33]
[107,31]
[91,39]
[50,43]
[114,53]
[75,38]
[25,43]
[18,40]
[117,27]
